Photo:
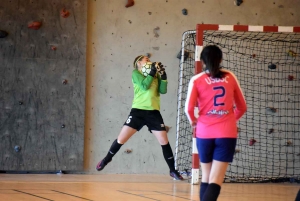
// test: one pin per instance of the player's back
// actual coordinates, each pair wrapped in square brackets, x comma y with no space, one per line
[215,97]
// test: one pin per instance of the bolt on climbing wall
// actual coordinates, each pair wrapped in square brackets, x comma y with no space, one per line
[42,72]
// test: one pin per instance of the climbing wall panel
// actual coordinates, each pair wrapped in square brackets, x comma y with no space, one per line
[42,76]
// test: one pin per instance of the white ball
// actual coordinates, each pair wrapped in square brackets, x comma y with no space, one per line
[146,68]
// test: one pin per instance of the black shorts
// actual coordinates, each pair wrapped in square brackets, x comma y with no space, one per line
[151,118]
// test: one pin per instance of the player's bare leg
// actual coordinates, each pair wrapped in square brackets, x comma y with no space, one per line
[217,173]
[216,178]
[205,169]
[161,136]
[125,134]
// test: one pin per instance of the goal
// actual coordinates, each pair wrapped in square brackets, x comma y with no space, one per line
[266,61]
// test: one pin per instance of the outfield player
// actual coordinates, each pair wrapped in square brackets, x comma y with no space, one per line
[145,111]
[221,103]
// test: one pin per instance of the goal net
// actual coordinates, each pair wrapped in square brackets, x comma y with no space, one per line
[266,61]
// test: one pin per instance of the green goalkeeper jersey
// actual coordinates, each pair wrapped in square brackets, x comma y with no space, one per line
[147,91]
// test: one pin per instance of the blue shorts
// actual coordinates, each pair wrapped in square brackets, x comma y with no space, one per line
[219,149]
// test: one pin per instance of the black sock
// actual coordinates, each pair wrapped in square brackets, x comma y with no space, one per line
[168,155]
[212,192]
[298,196]
[203,188]
[113,150]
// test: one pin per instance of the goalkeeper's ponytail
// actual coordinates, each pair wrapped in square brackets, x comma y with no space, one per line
[137,59]
[211,55]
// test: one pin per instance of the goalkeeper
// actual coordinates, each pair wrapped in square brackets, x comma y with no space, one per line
[145,111]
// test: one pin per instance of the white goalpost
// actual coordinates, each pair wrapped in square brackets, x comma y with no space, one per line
[266,60]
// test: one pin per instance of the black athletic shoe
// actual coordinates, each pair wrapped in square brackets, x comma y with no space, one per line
[100,166]
[175,174]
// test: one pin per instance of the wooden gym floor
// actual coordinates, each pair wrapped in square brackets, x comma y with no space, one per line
[38,187]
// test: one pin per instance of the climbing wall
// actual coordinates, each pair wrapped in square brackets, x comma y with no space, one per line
[42,73]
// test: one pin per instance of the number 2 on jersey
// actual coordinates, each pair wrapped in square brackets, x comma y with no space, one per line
[219,95]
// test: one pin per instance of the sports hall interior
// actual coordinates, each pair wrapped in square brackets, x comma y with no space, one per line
[66,91]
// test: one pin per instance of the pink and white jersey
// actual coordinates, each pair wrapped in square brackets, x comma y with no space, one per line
[220,103]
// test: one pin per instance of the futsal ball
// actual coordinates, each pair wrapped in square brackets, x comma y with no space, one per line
[146,68]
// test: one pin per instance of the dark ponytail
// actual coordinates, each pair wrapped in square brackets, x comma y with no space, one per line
[211,55]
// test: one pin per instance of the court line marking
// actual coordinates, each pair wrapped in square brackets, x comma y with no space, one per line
[71,195]
[32,195]
[26,190]
[138,195]
[174,195]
